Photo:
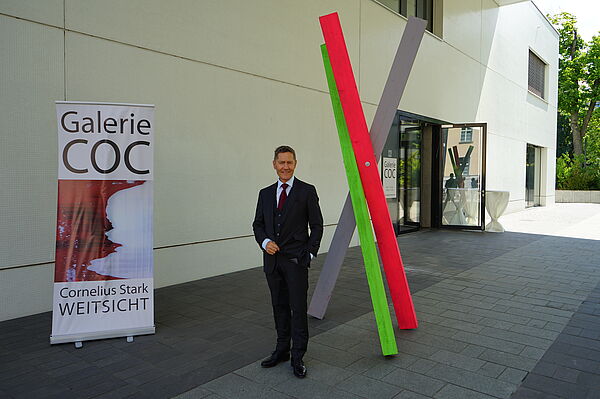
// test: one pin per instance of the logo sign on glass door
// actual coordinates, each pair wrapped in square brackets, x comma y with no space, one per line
[390,167]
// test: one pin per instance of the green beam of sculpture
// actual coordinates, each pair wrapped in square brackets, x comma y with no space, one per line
[365,231]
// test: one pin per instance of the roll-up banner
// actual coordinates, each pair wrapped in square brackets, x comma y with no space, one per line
[103,279]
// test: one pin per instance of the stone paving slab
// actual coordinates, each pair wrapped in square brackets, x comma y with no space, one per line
[571,366]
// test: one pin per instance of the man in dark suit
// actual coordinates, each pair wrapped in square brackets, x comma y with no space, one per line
[284,213]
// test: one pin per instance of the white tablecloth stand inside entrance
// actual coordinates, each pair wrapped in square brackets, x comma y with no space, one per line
[457,197]
[496,203]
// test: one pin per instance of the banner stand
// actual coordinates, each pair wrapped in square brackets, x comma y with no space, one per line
[79,338]
[104,265]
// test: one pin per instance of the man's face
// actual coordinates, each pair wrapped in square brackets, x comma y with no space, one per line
[284,165]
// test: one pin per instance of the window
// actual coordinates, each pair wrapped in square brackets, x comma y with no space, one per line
[466,135]
[423,9]
[537,75]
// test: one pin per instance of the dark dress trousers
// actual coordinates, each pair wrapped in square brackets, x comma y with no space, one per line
[287,270]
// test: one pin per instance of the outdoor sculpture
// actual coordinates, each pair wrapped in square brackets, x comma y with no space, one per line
[352,122]
[388,104]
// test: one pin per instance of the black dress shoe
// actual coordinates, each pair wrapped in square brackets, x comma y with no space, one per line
[299,369]
[275,359]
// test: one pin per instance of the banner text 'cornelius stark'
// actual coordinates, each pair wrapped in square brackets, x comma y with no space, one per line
[100,290]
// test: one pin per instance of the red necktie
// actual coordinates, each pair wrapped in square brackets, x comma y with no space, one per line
[282,196]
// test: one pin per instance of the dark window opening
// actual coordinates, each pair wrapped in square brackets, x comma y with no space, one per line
[536,75]
[424,10]
[419,8]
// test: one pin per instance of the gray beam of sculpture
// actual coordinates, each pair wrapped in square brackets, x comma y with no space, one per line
[380,128]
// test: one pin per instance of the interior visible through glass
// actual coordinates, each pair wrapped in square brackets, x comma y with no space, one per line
[401,174]
[462,166]
[409,176]
[532,176]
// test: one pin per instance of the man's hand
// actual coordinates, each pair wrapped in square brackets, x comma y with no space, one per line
[271,248]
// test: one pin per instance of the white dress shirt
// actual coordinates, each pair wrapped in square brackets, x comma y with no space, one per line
[290,183]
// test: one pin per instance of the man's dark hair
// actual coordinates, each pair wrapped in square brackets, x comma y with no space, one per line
[284,148]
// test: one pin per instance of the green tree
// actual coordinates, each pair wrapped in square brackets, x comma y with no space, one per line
[582,172]
[578,77]
[592,141]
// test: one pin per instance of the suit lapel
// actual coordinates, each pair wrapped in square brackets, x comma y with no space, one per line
[269,206]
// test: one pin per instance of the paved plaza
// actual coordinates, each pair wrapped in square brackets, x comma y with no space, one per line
[502,315]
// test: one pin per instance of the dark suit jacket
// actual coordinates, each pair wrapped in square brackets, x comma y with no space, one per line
[300,211]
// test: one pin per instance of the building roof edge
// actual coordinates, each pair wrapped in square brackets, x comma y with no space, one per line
[545,18]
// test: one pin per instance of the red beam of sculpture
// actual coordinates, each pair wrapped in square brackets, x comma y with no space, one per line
[369,174]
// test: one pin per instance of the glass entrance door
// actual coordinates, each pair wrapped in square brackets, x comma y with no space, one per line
[463,178]
[409,177]
[401,174]
[532,176]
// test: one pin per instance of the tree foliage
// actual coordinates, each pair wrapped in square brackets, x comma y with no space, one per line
[578,78]
[592,141]
[573,174]
[578,136]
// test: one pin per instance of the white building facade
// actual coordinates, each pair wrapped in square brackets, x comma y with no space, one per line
[231,80]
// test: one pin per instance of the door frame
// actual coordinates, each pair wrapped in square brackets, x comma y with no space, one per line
[438,177]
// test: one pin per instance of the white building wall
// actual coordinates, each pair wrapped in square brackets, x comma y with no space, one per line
[231,80]
[515,116]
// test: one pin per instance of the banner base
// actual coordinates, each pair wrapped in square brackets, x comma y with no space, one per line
[129,332]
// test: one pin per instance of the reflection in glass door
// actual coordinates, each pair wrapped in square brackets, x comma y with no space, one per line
[401,174]
[463,186]
[409,176]
[532,176]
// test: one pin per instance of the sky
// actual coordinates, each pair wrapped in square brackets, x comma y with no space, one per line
[587,13]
